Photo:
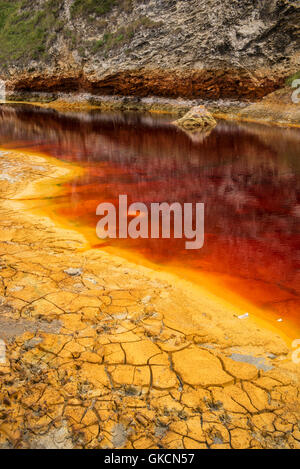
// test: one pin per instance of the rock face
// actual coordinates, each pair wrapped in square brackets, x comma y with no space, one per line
[199,48]
[197,117]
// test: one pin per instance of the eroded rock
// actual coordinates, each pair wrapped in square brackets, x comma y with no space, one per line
[197,117]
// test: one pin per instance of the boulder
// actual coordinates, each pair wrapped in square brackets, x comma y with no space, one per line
[198,117]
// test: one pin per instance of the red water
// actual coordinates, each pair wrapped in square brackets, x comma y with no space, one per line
[247,176]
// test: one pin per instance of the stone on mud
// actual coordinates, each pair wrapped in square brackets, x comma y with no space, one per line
[73,272]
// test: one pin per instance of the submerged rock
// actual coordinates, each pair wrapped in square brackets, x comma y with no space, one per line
[197,117]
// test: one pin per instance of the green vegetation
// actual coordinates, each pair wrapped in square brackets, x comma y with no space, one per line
[92,7]
[6,9]
[27,29]
[71,36]
[290,79]
[123,35]
[25,34]
[96,8]
[110,41]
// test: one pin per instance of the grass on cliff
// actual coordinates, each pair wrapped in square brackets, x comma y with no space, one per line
[25,31]
[97,7]
[123,35]
[290,79]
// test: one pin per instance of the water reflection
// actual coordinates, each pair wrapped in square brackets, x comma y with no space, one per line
[247,176]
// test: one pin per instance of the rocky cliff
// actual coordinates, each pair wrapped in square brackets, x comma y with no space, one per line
[195,48]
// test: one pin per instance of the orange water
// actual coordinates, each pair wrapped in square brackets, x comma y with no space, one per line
[247,176]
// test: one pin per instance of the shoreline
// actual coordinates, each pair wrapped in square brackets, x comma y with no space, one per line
[200,283]
[206,283]
[65,172]
[191,351]
[275,109]
[76,102]
[214,283]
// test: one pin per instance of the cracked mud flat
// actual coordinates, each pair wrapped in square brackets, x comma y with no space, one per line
[102,353]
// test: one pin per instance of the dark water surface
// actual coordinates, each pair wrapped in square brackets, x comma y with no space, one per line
[247,175]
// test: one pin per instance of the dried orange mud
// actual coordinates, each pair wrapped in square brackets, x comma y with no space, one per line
[102,353]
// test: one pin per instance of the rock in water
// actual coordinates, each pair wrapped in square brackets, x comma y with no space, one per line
[197,117]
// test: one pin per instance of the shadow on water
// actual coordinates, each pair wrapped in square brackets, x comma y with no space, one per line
[247,175]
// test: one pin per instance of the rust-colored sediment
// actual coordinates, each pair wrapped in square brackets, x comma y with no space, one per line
[102,353]
[233,83]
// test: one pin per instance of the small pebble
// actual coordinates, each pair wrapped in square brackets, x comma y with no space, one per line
[73,272]
[243,316]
